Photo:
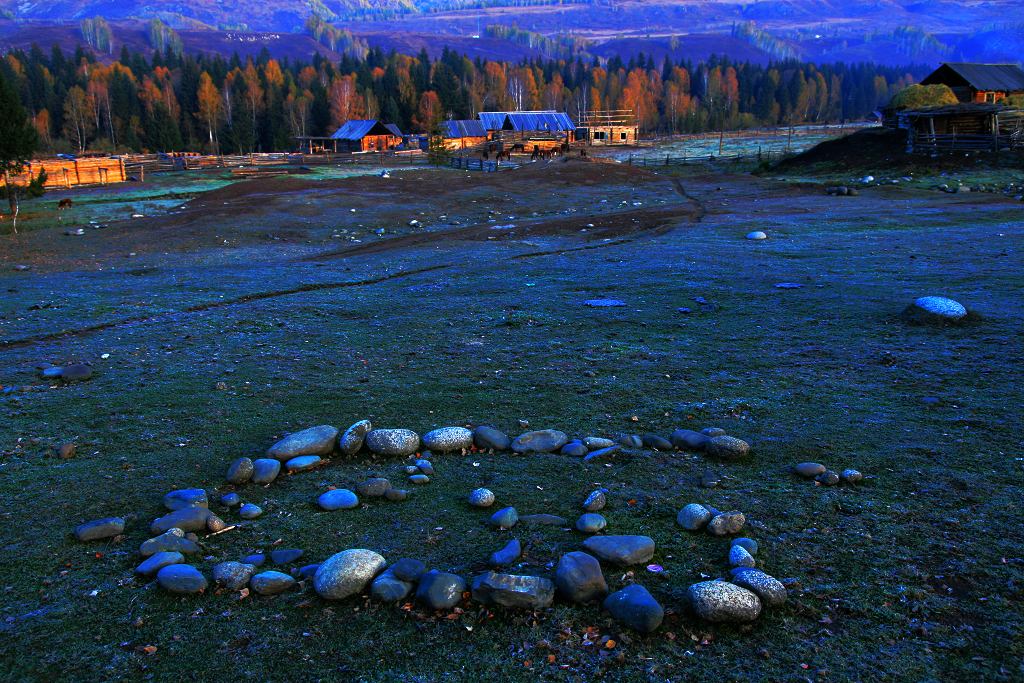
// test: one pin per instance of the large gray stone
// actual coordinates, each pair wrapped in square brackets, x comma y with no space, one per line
[542,441]
[186,498]
[505,518]
[303,463]
[579,578]
[809,469]
[186,519]
[727,523]
[374,487]
[181,579]
[489,438]
[591,523]
[271,582]
[507,555]
[233,576]
[727,447]
[239,471]
[689,440]
[693,517]
[721,601]
[265,470]
[936,309]
[440,590]
[447,439]
[352,440]
[389,588]
[635,607]
[172,540]
[108,527]
[621,550]
[393,442]
[337,499]
[481,498]
[347,573]
[508,590]
[596,443]
[769,589]
[319,440]
[157,561]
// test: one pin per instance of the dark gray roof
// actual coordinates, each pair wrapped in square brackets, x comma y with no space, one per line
[468,128]
[1002,77]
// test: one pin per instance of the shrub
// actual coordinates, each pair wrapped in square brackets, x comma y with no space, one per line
[919,96]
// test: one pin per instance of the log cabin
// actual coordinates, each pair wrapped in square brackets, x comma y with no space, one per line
[979,83]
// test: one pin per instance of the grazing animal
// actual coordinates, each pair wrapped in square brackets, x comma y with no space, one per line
[519,147]
[65,203]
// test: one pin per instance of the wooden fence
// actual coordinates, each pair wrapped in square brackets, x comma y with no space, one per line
[473,164]
[68,173]
[652,160]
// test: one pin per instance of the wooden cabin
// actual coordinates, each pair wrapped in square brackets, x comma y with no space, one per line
[68,173]
[614,127]
[963,127]
[979,83]
[357,135]
[529,126]
[462,134]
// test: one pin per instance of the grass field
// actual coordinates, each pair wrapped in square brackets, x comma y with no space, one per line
[282,295]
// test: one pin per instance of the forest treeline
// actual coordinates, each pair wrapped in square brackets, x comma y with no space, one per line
[172,101]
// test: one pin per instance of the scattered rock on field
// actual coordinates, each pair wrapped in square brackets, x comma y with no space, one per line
[575,448]
[739,557]
[319,440]
[265,470]
[809,469]
[727,447]
[181,579]
[185,498]
[172,540]
[157,561]
[596,443]
[489,438]
[232,576]
[303,463]
[621,550]
[721,601]
[337,499]
[595,501]
[507,555]
[508,590]
[769,589]
[393,442]
[239,471]
[689,440]
[827,478]
[440,590]
[186,519]
[505,518]
[542,441]
[851,476]
[447,439]
[389,588]
[347,573]
[108,527]
[591,523]
[726,523]
[579,578]
[408,569]
[693,517]
[250,511]
[271,582]
[656,442]
[375,487]
[352,440]
[936,310]
[635,607]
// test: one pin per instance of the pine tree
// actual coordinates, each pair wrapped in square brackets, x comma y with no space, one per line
[18,140]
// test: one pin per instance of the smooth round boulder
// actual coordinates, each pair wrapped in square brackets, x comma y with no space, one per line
[418,479]
[448,439]
[239,471]
[689,440]
[656,442]
[827,478]
[233,576]
[489,438]
[693,517]
[721,601]
[97,529]
[740,557]
[389,588]
[591,523]
[271,582]
[396,495]
[352,440]
[157,561]
[769,589]
[748,544]
[440,590]
[181,579]
[575,449]
[230,500]
[505,518]
[540,441]
[621,550]
[319,440]
[408,569]
[374,487]
[578,577]
[172,540]
[186,519]
[337,499]
[265,470]
[250,511]
[393,442]
[851,476]
[596,443]
[507,555]
[635,607]
[727,447]
[481,498]
[347,573]
[757,235]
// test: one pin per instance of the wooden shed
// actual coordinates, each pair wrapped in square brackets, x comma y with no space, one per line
[462,134]
[67,173]
[366,135]
[533,126]
[613,127]
[979,83]
[963,127]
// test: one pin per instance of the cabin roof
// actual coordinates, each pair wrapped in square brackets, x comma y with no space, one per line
[465,128]
[357,129]
[1000,77]
[526,120]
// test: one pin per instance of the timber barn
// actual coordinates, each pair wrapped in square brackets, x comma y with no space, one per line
[979,83]
[461,134]
[542,129]
[357,135]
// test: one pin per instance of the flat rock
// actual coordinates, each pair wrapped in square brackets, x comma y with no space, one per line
[748,544]
[337,499]
[186,498]
[181,579]
[727,447]
[157,561]
[303,463]
[375,487]
[769,589]
[693,517]
[233,576]
[347,573]
[596,443]
[108,527]
[75,373]
[481,498]
[544,520]
[172,540]
[419,479]
[602,453]
[186,519]
[689,440]
[727,523]
[509,590]
[396,495]
[591,523]
[507,555]
[425,466]
[265,470]
[352,440]
[285,555]
[721,601]
[408,569]
[635,607]
[255,559]
[393,442]
[655,442]
[250,511]
[578,577]
[320,440]
[505,518]
[447,439]
[489,438]
[756,235]
[239,471]
[540,441]
[576,449]
[271,582]
[440,590]
[936,309]
[809,469]
[604,303]
[621,550]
